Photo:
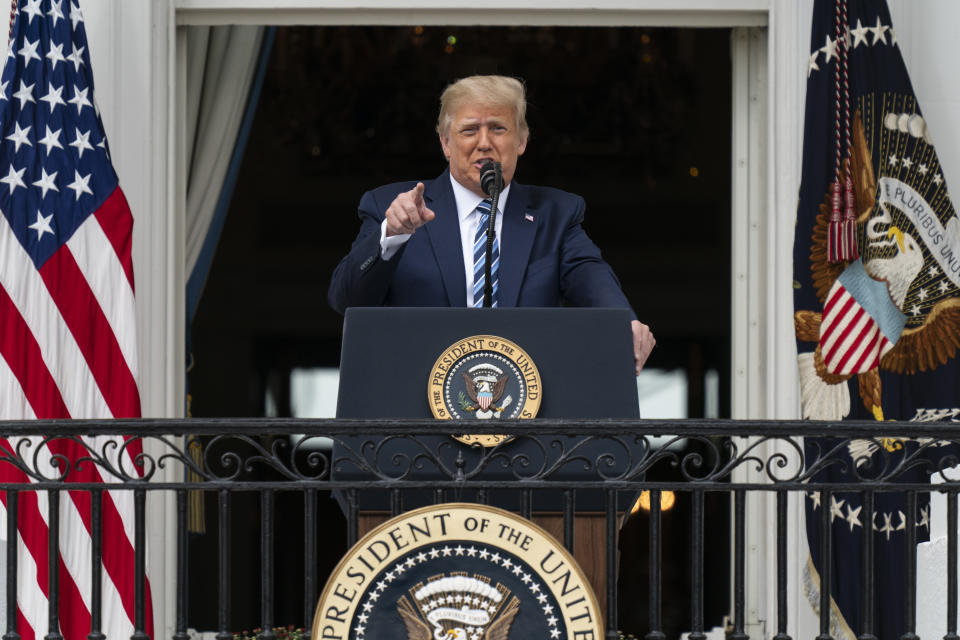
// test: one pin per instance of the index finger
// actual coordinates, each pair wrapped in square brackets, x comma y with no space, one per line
[417,192]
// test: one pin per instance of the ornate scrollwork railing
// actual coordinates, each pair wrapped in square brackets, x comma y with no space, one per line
[599,463]
[541,454]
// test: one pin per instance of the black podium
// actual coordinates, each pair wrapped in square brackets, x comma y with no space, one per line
[585,358]
[586,367]
[585,361]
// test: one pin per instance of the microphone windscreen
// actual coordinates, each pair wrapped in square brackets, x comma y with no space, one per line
[488,176]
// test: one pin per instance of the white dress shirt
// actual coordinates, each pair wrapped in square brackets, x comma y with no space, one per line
[469,217]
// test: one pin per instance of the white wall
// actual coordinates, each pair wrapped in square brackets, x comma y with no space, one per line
[928,38]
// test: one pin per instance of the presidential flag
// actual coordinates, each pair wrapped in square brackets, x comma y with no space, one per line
[877,296]
[67,340]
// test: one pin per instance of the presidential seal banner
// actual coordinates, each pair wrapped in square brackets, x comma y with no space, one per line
[458,572]
[877,297]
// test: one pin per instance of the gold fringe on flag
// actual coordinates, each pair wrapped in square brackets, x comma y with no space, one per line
[196,517]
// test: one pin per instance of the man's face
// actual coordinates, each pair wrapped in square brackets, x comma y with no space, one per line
[478,134]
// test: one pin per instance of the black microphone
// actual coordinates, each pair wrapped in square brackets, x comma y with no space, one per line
[491,181]
[490,177]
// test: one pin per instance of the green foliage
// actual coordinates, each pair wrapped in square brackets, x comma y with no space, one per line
[464,405]
[280,633]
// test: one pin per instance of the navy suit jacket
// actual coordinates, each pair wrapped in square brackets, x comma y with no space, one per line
[546,258]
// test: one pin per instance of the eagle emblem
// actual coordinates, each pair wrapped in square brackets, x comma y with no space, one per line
[458,607]
[896,308]
[485,384]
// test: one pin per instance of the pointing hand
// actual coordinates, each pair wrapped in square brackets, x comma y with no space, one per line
[408,212]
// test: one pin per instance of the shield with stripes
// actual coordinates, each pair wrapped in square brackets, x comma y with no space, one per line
[860,323]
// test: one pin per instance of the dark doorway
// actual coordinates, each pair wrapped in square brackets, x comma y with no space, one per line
[636,120]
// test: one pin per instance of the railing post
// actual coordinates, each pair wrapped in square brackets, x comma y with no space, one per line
[266,565]
[96,559]
[654,582]
[826,541]
[951,566]
[139,566]
[739,562]
[611,586]
[223,502]
[396,503]
[352,516]
[53,566]
[13,498]
[569,503]
[696,566]
[866,568]
[309,560]
[782,566]
[180,632]
[910,568]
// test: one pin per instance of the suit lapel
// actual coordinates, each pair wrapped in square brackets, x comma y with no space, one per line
[518,233]
[444,235]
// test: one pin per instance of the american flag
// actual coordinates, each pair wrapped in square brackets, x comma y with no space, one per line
[67,336]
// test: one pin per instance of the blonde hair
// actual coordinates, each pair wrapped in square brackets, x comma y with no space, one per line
[486,90]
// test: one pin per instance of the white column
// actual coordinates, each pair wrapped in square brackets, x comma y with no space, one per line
[131,48]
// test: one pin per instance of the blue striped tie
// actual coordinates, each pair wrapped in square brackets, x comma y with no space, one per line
[480,257]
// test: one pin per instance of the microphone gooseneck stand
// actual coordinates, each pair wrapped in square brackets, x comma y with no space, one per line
[494,194]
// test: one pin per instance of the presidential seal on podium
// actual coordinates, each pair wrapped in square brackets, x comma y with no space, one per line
[485,378]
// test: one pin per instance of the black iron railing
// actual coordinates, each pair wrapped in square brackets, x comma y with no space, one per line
[558,465]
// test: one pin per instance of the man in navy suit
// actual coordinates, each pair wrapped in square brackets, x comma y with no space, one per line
[416,242]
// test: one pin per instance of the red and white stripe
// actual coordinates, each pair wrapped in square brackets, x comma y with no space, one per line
[68,350]
[850,339]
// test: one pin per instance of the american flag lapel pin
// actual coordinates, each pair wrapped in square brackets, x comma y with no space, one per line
[528,217]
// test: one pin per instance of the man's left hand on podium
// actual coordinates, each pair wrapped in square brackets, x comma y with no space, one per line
[643,343]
